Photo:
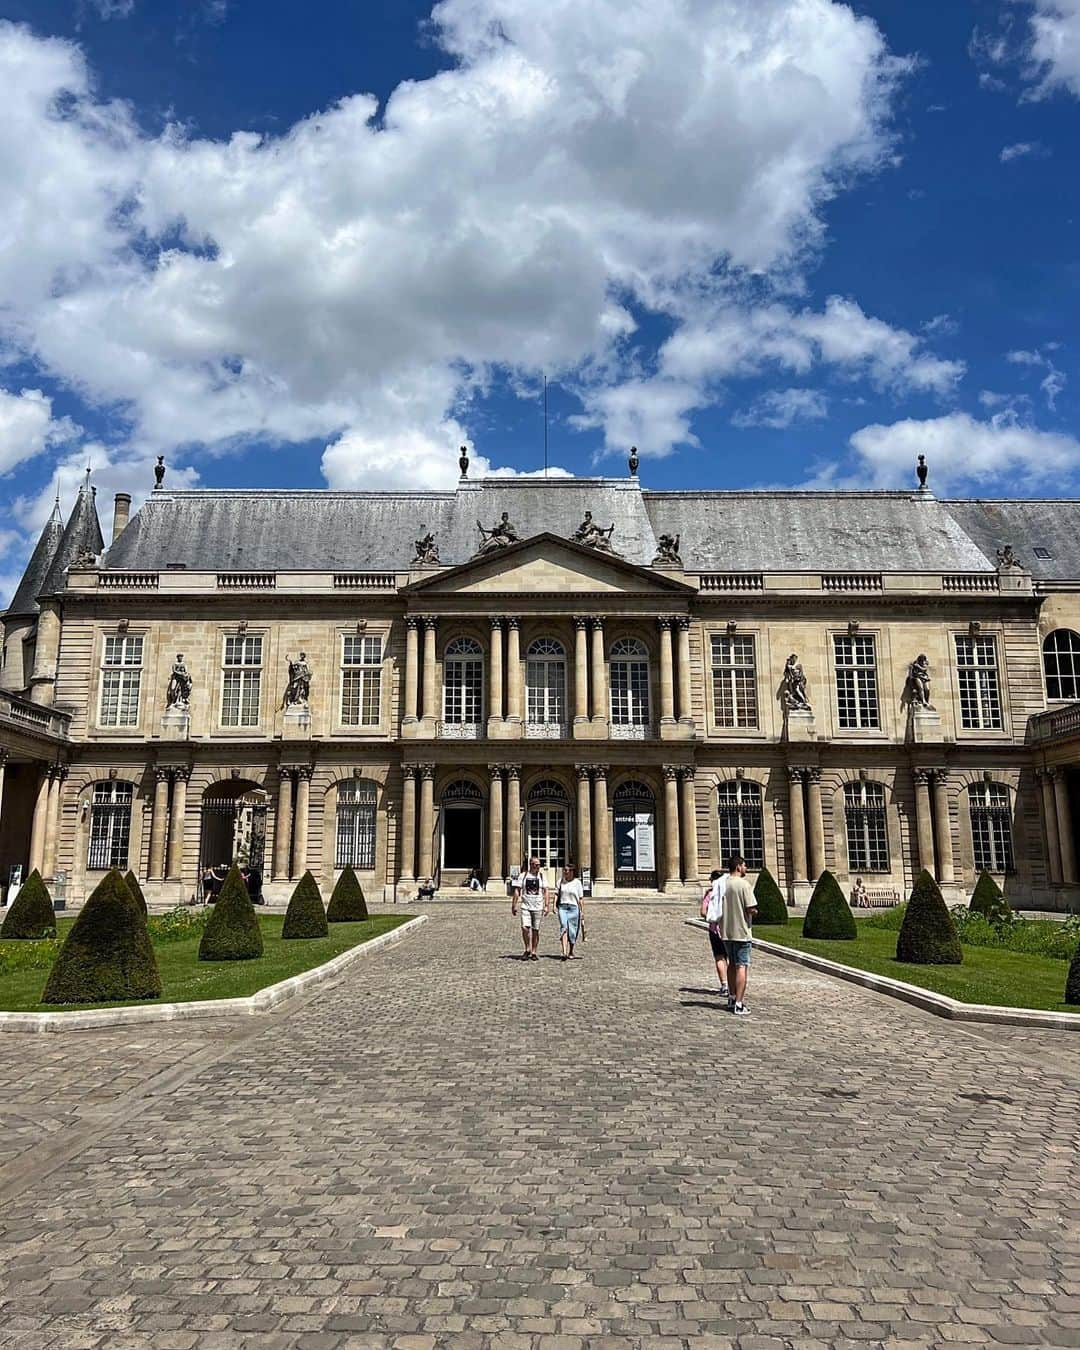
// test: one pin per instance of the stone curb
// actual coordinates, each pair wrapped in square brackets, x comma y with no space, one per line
[939,1004]
[264,1001]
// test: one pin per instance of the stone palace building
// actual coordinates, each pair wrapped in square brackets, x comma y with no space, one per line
[640,682]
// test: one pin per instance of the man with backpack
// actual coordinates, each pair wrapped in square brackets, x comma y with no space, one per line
[712,910]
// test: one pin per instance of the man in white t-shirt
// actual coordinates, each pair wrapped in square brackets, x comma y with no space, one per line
[530,896]
[712,909]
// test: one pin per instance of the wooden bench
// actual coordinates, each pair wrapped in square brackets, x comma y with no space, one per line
[881,897]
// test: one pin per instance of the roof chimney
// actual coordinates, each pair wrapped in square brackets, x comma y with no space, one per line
[121,511]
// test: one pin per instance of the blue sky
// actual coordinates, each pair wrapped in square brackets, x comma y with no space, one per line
[773,242]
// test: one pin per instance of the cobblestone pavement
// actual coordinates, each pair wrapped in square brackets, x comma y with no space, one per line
[451,1147]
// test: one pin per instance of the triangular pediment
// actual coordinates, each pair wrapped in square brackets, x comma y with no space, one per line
[547,564]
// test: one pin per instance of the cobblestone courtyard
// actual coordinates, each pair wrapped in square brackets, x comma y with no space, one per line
[450,1147]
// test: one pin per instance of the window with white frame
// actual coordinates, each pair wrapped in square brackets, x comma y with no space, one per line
[121,678]
[742,823]
[867,827]
[629,683]
[991,827]
[361,681]
[463,682]
[1061,664]
[241,682]
[856,682]
[110,825]
[977,673]
[734,673]
[356,801]
[545,682]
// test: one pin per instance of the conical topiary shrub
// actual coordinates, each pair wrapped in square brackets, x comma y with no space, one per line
[132,883]
[347,903]
[305,917]
[988,900]
[30,914]
[107,956]
[771,908]
[232,932]
[928,936]
[1072,984]
[829,914]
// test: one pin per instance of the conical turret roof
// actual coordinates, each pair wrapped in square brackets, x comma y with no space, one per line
[24,603]
[82,534]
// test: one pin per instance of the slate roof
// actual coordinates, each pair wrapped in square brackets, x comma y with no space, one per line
[82,533]
[24,602]
[1050,525]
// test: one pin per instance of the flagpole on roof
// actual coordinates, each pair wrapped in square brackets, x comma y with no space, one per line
[545,428]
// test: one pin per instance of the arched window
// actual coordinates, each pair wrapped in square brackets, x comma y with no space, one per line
[548,790]
[742,823]
[1061,664]
[462,790]
[629,689]
[463,683]
[991,827]
[110,825]
[867,828]
[545,687]
[356,800]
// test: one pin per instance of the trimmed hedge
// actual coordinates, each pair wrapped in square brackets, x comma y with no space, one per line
[1072,984]
[988,900]
[107,955]
[305,917]
[232,932]
[829,915]
[347,903]
[771,908]
[929,936]
[132,883]
[30,915]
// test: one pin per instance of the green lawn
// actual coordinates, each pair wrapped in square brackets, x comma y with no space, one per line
[988,975]
[186,978]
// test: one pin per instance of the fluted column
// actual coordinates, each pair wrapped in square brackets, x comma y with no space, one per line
[513,668]
[495,867]
[584,819]
[174,861]
[815,823]
[688,819]
[581,668]
[300,824]
[602,864]
[429,709]
[425,844]
[495,683]
[159,814]
[925,838]
[512,828]
[57,774]
[407,848]
[672,869]
[667,671]
[943,827]
[283,824]
[796,823]
[682,630]
[412,668]
[1064,825]
[599,674]
[1053,844]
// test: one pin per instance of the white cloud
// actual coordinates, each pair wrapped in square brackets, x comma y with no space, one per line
[27,427]
[1053,382]
[1023,150]
[779,408]
[112,9]
[1054,47]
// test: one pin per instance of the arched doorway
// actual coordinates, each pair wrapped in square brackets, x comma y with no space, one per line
[462,814]
[635,836]
[233,825]
[548,822]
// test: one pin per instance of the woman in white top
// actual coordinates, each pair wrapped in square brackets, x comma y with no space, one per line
[571,906]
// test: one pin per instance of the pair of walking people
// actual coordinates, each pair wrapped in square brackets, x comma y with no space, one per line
[728,907]
[530,897]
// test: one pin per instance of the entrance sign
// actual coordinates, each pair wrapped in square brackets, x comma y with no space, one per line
[635,848]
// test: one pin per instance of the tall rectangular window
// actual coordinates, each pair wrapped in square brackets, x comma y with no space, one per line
[121,677]
[991,828]
[867,827]
[980,695]
[110,826]
[856,683]
[361,681]
[734,682]
[241,681]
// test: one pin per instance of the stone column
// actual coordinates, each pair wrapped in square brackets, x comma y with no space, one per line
[581,668]
[1053,844]
[923,828]
[667,672]
[425,844]
[412,668]
[1064,826]
[158,822]
[407,847]
[57,774]
[682,628]
[513,668]
[815,824]
[512,828]
[495,681]
[174,864]
[943,827]
[283,824]
[46,653]
[599,674]
[688,818]
[584,819]
[495,866]
[429,709]
[672,868]
[796,823]
[300,824]
[602,865]
[37,828]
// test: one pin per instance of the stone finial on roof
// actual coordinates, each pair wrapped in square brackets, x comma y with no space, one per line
[633,461]
[159,472]
[463,461]
[922,470]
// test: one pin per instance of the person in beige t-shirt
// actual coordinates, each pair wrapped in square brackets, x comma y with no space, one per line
[740,906]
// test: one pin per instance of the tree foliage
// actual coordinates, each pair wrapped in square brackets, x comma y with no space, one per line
[988,900]
[347,903]
[132,883]
[30,915]
[929,936]
[829,915]
[232,932]
[305,917]
[107,955]
[771,907]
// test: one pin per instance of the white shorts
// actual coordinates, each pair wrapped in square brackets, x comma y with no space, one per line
[530,918]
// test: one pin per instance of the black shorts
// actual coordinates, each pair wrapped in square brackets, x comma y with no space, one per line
[716,942]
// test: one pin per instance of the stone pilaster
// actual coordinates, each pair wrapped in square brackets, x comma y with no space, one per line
[412,669]
[159,819]
[682,633]
[407,846]
[815,823]
[514,683]
[599,674]
[1049,811]
[283,824]
[797,826]
[672,861]
[924,843]
[174,858]
[667,672]
[584,817]
[429,711]
[300,823]
[425,843]
[602,852]
[943,828]
[495,865]
[495,680]
[688,821]
[512,829]
[581,669]
[1064,826]
[37,827]
[57,774]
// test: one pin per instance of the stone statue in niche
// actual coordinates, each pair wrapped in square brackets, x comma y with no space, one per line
[793,687]
[501,535]
[667,551]
[427,550]
[592,536]
[178,694]
[298,690]
[1007,560]
[918,683]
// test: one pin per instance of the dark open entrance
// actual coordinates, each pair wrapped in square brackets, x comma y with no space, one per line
[233,826]
[462,829]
